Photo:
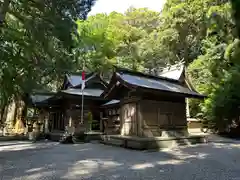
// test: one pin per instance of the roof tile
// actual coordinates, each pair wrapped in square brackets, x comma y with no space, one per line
[157,83]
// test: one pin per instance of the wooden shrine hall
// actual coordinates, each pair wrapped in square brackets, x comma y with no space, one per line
[62,111]
[151,110]
[134,109]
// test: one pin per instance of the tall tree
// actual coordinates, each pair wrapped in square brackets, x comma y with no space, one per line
[117,39]
[213,70]
[36,42]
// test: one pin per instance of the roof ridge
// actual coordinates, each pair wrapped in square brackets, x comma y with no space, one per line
[172,68]
[88,77]
[42,93]
[78,74]
[81,90]
[119,70]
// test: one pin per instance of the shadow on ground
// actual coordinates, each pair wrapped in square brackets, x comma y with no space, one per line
[97,161]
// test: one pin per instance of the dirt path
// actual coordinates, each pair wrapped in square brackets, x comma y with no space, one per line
[23,160]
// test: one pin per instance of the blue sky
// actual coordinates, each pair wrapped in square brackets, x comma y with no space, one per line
[107,6]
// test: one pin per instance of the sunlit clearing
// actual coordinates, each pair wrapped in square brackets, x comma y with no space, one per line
[38,175]
[18,147]
[169,162]
[85,149]
[226,145]
[34,170]
[87,167]
[142,166]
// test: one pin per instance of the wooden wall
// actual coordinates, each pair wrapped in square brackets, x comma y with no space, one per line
[155,116]
[149,118]
[110,127]
[142,117]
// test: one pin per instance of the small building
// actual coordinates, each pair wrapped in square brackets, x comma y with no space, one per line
[71,98]
[150,107]
[134,109]
[63,109]
[38,111]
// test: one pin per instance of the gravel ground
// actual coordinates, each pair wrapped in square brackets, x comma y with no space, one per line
[219,160]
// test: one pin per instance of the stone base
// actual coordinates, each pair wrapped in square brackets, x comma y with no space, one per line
[56,136]
[13,138]
[150,143]
[93,136]
[175,133]
[90,136]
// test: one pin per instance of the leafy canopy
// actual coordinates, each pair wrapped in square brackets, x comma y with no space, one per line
[36,41]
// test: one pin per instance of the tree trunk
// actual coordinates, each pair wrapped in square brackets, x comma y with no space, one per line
[4,10]
[16,112]
[24,109]
[21,110]
[19,115]
[2,119]
[2,113]
[236,14]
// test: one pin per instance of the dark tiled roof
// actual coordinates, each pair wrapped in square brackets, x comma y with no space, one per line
[86,92]
[154,82]
[38,98]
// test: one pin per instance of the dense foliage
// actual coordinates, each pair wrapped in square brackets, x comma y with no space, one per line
[202,33]
[36,47]
[36,41]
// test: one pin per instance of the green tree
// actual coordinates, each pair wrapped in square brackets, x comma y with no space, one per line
[115,39]
[199,32]
[142,18]
[36,41]
[189,23]
[97,43]
[214,73]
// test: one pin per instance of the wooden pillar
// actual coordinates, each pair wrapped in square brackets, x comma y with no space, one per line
[121,120]
[101,121]
[69,117]
[46,122]
[71,123]
[187,108]
[138,119]
[50,121]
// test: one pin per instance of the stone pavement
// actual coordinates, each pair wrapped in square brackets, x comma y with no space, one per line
[47,161]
